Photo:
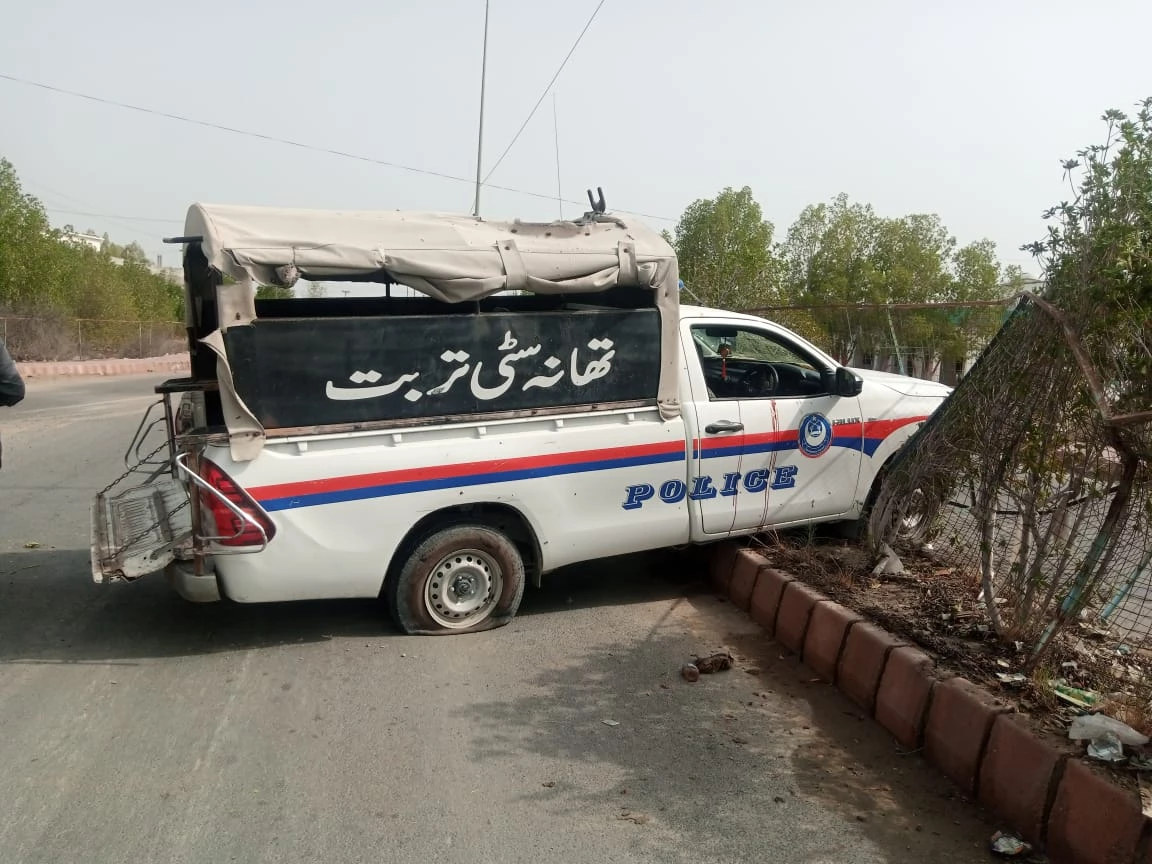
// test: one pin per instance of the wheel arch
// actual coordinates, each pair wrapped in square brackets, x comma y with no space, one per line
[884,458]
[502,517]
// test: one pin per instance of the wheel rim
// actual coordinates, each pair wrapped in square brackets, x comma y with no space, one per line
[463,588]
[914,515]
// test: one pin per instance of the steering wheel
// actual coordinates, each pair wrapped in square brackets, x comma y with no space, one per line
[762,381]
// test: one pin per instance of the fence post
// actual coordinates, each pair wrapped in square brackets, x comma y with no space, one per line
[79,340]
[140,337]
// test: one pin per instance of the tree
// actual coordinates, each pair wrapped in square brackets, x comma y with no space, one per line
[274,292]
[850,265]
[829,260]
[27,256]
[724,246]
[316,290]
[135,252]
[829,253]
[1097,257]
[976,272]
[1049,437]
[43,276]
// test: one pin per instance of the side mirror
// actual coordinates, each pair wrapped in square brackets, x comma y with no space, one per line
[848,383]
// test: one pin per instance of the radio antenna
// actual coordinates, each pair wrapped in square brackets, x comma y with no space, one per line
[480,136]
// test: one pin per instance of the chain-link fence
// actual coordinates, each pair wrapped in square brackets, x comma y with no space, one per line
[936,341]
[1036,478]
[31,339]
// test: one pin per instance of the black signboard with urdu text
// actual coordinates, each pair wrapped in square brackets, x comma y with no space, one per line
[319,371]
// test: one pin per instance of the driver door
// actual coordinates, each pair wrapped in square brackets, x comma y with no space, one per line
[800,449]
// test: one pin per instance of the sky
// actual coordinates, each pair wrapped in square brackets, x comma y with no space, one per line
[960,109]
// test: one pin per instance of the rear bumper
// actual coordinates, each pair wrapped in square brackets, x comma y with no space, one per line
[195,589]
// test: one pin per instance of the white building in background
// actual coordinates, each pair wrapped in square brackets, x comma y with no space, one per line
[172,274]
[80,239]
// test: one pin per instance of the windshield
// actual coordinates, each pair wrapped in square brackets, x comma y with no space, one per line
[741,344]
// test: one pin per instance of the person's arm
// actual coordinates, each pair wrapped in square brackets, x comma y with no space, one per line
[11,384]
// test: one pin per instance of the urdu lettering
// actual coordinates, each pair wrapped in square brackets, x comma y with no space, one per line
[581,374]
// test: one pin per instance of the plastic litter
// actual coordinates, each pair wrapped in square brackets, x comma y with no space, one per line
[1074,695]
[1140,761]
[689,672]
[610,722]
[1093,726]
[1106,748]
[1012,679]
[1009,845]
[890,563]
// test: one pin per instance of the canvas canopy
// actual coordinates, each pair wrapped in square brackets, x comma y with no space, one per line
[450,257]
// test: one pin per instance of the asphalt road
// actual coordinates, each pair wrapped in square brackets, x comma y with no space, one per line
[137,727]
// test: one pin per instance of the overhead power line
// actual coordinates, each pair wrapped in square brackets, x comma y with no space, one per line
[532,113]
[73,201]
[113,216]
[290,143]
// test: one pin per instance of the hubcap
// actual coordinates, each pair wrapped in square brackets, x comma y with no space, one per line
[463,588]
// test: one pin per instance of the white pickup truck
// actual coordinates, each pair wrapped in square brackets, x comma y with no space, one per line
[540,399]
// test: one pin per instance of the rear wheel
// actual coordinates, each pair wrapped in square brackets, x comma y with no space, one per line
[461,579]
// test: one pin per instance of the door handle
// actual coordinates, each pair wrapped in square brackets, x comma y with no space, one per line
[723,426]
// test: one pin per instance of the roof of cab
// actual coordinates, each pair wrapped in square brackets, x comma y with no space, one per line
[709,312]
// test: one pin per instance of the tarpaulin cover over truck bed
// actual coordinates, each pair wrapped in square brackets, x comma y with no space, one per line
[449,257]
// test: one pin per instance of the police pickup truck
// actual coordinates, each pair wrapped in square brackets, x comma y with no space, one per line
[538,397]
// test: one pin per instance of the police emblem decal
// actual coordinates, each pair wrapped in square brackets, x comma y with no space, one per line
[815,435]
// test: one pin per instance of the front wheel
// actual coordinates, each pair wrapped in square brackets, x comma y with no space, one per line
[908,523]
[461,579]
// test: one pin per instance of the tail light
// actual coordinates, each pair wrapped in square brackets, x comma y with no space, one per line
[234,530]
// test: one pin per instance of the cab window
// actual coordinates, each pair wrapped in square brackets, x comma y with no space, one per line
[748,363]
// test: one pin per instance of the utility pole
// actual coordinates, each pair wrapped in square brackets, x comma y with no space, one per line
[480,139]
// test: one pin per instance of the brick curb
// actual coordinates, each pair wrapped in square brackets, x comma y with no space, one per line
[1053,801]
[176,363]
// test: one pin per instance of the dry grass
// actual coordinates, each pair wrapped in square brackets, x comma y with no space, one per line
[56,339]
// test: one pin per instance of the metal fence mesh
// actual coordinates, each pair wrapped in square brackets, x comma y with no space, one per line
[37,338]
[1030,481]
